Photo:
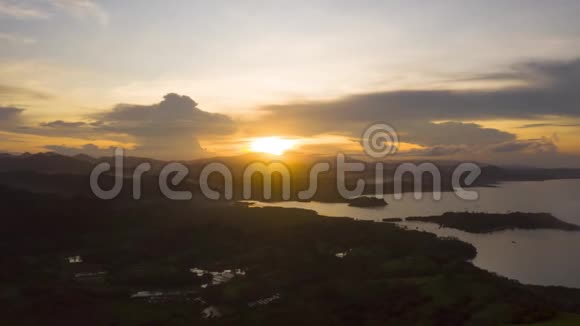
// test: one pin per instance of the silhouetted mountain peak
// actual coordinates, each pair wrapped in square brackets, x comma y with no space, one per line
[85,157]
[49,162]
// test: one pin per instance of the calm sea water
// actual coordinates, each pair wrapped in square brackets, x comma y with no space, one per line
[540,257]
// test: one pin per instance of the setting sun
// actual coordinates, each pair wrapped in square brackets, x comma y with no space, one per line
[271,145]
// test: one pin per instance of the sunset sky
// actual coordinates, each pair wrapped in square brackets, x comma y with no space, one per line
[493,81]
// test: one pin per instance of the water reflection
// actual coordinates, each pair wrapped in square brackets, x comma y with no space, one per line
[543,257]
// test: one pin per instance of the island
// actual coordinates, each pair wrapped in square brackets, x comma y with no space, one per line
[367,202]
[487,222]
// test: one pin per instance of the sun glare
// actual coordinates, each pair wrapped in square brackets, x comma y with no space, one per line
[271,145]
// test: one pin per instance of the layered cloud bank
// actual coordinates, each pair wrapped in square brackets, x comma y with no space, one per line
[450,124]
[169,129]
[439,120]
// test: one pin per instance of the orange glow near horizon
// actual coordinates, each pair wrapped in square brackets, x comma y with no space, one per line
[271,145]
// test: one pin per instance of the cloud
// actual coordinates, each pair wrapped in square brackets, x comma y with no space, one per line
[453,133]
[533,152]
[9,113]
[439,150]
[174,114]
[310,122]
[83,9]
[438,120]
[551,89]
[62,124]
[77,129]
[14,38]
[535,146]
[167,129]
[540,125]
[7,91]
[80,9]
[527,146]
[19,11]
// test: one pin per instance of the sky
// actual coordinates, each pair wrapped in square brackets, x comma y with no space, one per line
[493,81]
